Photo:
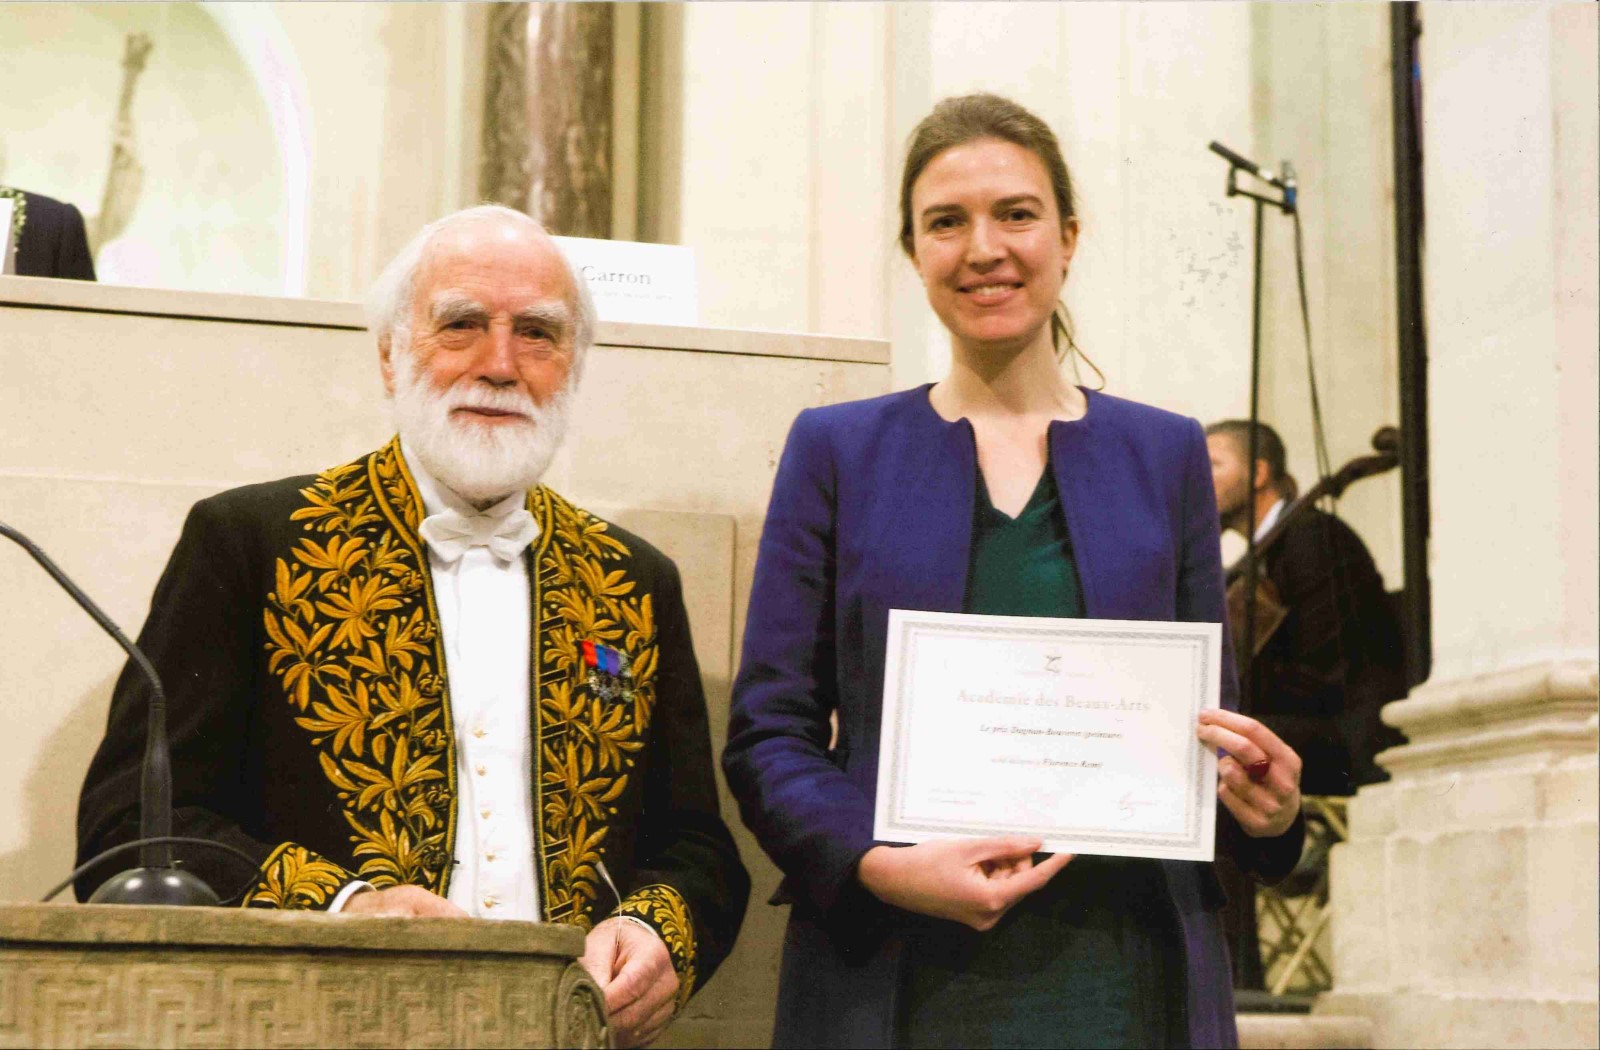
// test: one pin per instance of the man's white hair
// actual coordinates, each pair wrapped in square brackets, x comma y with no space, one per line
[392,296]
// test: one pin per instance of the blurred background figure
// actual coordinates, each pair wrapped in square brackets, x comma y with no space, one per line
[1321,674]
[1336,657]
[49,237]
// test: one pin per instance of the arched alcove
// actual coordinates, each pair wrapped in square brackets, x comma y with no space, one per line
[221,202]
[258,37]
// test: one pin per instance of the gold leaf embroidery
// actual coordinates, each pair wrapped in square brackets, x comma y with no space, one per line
[350,634]
[294,877]
[588,744]
[665,909]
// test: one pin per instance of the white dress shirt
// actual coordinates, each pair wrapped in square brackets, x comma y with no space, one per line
[1269,520]
[485,627]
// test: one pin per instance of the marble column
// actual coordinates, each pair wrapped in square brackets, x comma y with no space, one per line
[570,89]
[505,170]
[1465,897]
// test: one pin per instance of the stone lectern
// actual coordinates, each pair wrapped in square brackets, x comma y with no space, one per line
[115,976]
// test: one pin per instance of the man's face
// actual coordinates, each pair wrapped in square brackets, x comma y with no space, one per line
[492,309]
[1228,475]
[481,377]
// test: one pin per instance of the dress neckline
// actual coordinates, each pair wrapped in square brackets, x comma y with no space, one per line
[924,399]
[1040,497]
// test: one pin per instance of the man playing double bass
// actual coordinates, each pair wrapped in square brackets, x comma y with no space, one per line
[1323,673]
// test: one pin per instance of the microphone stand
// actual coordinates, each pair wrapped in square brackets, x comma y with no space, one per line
[1286,202]
[155,881]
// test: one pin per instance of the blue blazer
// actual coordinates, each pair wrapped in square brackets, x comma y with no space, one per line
[872,509]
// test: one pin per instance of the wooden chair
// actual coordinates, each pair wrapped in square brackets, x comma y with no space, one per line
[1294,913]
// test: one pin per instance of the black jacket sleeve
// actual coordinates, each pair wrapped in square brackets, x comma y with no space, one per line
[688,882]
[200,636]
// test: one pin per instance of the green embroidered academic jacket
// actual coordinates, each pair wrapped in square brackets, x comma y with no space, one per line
[296,635]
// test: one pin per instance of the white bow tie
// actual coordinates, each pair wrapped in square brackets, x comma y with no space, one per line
[449,533]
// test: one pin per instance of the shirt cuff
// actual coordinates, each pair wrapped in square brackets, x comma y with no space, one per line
[336,905]
[640,922]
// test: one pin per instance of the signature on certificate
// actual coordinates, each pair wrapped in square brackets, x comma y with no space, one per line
[1128,806]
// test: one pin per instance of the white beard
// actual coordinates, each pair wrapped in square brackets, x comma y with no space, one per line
[479,463]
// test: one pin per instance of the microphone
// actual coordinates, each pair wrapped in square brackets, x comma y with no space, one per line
[1253,168]
[156,881]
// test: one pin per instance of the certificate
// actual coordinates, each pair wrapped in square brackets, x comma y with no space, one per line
[1077,732]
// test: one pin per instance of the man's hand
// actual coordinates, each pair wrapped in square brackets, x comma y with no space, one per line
[411,901]
[1264,807]
[634,971]
[970,881]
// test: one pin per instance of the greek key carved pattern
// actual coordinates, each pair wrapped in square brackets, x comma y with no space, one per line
[224,998]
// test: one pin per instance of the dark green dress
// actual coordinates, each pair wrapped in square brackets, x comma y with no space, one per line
[1092,960]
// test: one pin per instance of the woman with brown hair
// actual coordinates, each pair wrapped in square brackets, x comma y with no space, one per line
[1002,489]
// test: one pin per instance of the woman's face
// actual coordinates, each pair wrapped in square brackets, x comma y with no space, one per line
[989,243]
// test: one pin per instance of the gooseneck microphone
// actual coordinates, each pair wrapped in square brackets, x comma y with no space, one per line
[1285,182]
[156,881]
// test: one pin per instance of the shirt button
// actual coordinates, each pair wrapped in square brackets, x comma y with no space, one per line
[489,902]
[482,769]
[478,732]
[488,856]
[484,813]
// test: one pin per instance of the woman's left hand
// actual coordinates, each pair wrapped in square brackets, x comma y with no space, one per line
[1265,804]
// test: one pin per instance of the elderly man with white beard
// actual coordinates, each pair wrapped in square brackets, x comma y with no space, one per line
[422,683]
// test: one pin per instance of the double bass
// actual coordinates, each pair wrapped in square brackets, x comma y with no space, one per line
[1269,610]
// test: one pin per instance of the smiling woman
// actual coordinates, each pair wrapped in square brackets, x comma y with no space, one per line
[1003,489]
[991,245]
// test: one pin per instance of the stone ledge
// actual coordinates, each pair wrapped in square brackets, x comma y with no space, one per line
[1410,1018]
[126,927]
[52,294]
[1311,1032]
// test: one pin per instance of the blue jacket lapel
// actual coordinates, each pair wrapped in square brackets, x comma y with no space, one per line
[933,533]
[1081,489]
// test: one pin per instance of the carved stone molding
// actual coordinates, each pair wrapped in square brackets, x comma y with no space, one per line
[1550,708]
[110,976]
[1463,899]
[581,1023]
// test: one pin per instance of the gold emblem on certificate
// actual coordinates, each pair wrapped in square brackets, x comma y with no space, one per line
[1078,732]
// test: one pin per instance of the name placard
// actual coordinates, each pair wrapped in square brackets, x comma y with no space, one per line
[630,281]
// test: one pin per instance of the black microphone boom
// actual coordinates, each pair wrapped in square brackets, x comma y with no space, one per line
[156,881]
[1233,158]
[1251,166]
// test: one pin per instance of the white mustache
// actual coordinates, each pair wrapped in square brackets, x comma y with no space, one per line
[489,398]
[479,461]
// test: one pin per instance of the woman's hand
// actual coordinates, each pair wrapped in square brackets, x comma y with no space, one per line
[970,881]
[1266,804]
